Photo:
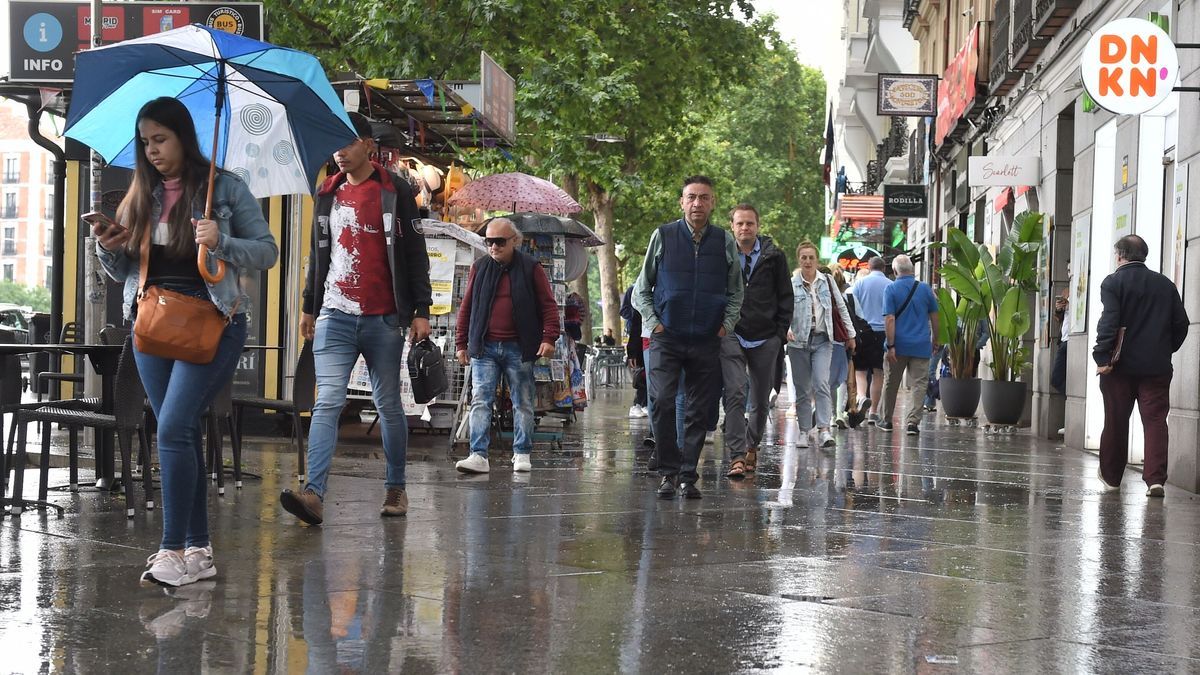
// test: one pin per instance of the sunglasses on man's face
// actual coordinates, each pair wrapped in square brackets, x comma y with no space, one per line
[498,242]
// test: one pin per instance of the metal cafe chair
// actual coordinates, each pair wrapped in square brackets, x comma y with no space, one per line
[70,335]
[127,420]
[304,388]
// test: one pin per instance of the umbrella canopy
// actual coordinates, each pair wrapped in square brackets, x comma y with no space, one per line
[541,223]
[272,114]
[515,192]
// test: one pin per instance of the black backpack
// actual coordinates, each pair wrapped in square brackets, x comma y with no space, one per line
[866,338]
[426,371]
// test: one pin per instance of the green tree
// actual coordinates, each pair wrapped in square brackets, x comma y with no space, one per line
[36,297]
[657,74]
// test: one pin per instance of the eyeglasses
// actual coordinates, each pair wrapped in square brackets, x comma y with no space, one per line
[498,242]
[690,197]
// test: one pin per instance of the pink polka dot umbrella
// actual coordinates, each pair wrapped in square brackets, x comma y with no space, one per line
[515,192]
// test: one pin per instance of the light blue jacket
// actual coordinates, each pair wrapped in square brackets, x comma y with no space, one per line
[802,310]
[245,242]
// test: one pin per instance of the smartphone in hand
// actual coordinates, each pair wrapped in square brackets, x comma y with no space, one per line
[100,222]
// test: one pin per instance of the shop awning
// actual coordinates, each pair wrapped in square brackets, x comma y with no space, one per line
[1003,199]
[861,207]
[432,116]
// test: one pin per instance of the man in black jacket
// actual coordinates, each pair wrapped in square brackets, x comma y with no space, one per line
[751,353]
[1142,325]
[367,289]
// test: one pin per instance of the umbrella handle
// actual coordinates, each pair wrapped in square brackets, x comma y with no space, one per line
[202,250]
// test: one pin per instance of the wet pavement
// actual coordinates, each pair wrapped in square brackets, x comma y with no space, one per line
[946,552]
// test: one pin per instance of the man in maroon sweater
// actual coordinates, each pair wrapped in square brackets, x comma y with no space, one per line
[507,320]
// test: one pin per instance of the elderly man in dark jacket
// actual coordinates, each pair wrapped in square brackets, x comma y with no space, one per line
[1142,325]
[749,356]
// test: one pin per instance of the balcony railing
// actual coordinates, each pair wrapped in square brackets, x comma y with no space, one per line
[1026,45]
[8,212]
[1051,15]
[12,177]
[912,8]
[10,247]
[895,144]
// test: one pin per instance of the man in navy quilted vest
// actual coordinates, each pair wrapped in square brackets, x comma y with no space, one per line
[689,294]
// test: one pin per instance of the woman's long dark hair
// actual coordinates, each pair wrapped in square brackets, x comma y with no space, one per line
[137,208]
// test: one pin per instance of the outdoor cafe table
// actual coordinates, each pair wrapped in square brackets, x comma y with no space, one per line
[104,359]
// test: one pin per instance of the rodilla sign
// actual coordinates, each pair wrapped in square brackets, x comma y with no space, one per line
[1129,66]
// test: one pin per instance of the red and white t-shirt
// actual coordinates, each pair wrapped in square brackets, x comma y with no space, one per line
[359,280]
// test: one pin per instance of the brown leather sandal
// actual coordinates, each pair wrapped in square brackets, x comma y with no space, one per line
[751,460]
[737,470]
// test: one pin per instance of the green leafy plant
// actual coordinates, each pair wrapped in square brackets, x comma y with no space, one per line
[958,329]
[992,289]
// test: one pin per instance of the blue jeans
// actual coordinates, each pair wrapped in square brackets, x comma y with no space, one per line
[810,380]
[501,358]
[179,393]
[340,338]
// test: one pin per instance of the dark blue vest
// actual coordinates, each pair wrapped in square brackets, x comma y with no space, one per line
[690,291]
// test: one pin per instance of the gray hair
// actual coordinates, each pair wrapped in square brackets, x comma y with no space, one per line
[876,263]
[511,228]
[902,265]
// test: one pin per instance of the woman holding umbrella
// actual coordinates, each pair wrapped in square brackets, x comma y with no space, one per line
[165,204]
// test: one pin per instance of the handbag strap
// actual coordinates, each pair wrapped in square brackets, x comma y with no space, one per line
[909,298]
[144,273]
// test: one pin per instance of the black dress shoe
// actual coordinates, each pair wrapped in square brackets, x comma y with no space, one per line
[666,489]
[690,491]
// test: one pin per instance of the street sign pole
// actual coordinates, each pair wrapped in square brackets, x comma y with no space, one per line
[94,285]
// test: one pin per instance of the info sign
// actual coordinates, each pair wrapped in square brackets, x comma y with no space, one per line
[44,36]
[1129,66]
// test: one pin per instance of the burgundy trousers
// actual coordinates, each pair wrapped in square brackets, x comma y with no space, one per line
[1153,397]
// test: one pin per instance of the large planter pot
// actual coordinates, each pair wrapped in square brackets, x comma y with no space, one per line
[1003,402]
[960,397]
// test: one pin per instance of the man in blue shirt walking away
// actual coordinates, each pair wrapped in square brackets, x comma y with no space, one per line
[911,323]
[868,358]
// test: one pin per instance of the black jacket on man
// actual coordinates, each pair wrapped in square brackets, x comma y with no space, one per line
[408,258]
[1148,306]
[768,301]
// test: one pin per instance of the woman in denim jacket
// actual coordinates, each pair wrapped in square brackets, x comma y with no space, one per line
[810,344]
[167,198]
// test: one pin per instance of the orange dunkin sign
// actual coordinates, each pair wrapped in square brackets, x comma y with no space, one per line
[1129,66]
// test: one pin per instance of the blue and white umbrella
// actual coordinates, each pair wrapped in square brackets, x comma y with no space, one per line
[276,116]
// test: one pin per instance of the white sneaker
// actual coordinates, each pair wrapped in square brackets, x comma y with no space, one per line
[199,562]
[1156,490]
[1107,486]
[873,419]
[165,568]
[826,439]
[475,463]
[802,442]
[520,462]
[637,412]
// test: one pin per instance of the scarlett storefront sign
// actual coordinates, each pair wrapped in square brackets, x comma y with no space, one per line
[1129,66]
[1003,171]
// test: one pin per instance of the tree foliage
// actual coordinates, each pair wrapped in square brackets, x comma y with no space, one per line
[689,87]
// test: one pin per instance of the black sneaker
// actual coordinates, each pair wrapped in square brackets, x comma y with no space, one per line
[690,491]
[912,430]
[652,462]
[884,426]
[666,489]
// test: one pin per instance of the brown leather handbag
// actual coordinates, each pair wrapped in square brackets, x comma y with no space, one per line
[173,325]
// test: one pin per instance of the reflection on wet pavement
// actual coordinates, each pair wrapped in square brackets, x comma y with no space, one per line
[949,551]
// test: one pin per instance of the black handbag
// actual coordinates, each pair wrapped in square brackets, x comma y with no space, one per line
[426,371]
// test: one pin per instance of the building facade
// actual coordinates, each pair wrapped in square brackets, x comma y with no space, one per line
[1098,176]
[870,149]
[26,201]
